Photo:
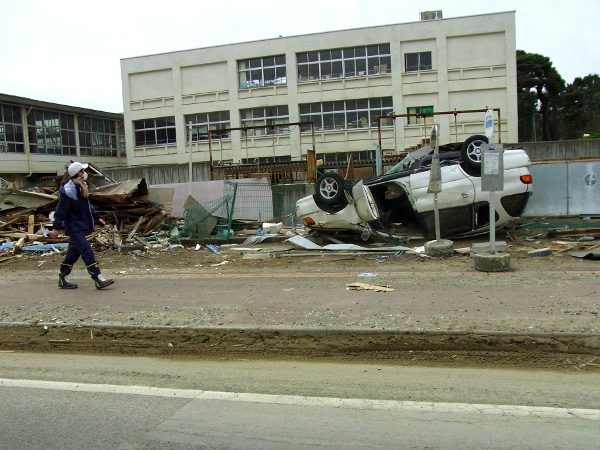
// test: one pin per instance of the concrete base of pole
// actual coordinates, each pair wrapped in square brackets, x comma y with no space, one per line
[439,249]
[486,262]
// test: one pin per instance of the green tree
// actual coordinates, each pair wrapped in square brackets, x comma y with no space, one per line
[579,108]
[539,86]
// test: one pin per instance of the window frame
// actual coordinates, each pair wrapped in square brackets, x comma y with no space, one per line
[160,128]
[97,136]
[202,123]
[346,62]
[12,141]
[261,116]
[51,132]
[263,71]
[419,65]
[346,115]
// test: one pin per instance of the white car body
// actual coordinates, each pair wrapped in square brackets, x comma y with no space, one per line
[402,197]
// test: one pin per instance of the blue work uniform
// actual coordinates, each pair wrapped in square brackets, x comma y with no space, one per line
[77,215]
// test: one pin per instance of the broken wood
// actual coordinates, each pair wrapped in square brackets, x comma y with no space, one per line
[31,224]
[371,287]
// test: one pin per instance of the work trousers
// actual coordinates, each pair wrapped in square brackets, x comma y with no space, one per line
[80,247]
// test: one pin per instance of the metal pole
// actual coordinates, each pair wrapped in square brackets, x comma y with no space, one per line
[492,222]
[190,162]
[436,212]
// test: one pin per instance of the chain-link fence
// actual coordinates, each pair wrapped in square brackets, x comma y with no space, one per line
[242,206]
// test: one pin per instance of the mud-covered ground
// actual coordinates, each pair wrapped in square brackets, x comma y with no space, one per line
[438,343]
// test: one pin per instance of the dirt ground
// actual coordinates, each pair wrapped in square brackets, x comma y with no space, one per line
[385,346]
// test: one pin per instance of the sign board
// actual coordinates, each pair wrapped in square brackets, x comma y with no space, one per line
[489,124]
[492,167]
[435,176]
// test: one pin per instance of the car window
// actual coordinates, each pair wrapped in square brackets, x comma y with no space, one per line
[405,164]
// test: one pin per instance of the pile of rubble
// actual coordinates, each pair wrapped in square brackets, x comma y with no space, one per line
[131,216]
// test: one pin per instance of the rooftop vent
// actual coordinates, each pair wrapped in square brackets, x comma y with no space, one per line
[431,15]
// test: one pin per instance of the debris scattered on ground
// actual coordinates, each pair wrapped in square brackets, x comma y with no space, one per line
[370,287]
[540,252]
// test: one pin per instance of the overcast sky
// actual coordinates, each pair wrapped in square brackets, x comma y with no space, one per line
[69,52]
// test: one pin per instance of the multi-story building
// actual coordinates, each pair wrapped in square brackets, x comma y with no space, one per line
[38,139]
[341,81]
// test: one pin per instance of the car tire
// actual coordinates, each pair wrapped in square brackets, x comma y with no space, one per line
[471,150]
[330,189]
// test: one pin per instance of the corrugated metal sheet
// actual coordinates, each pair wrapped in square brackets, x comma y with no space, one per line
[561,150]
[167,174]
[565,189]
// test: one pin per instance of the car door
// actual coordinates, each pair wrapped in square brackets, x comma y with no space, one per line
[454,201]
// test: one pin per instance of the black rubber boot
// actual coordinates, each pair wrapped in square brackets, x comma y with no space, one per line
[102,284]
[64,284]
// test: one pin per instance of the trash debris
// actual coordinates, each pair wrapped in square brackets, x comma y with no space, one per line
[270,228]
[213,249]
[371,287]
[540,252]
[593,254]
[307,244]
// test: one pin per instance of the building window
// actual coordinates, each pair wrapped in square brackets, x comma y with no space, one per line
[344,157]
[12,138]
[51,133]
[265,117]
[213,121]
[265,71]
[160,131]
[344,63]
[346,114]
[266,159]
[425,115]
[415,62]
[97,137]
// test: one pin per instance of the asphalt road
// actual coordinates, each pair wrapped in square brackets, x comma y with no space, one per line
[40,415]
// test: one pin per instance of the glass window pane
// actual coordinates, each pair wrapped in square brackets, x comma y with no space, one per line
[313,56]
[337,70]
[361,67]
[426,61]
[411,62]
[349,68]
[302,73]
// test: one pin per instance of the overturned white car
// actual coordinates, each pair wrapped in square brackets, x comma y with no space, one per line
[400,195]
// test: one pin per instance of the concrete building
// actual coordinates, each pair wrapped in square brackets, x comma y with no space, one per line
[38,139]
[339,80]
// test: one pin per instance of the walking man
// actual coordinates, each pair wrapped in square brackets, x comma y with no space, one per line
[77,215]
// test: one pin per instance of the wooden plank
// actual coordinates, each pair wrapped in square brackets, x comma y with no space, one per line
[18,245]
[31,224]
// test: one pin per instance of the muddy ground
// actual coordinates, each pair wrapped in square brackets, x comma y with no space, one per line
[513,346]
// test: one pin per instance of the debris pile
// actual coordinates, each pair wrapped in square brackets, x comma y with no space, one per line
[131,217]
[578,238]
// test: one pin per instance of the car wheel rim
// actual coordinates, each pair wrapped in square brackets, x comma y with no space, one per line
[328,188]
[474,151]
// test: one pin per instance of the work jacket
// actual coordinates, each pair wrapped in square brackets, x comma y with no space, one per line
[74,211]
